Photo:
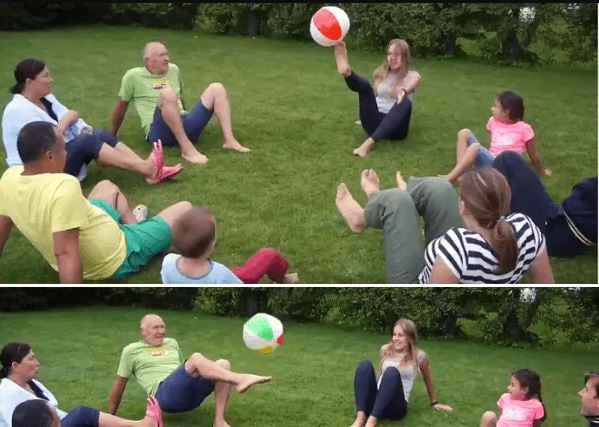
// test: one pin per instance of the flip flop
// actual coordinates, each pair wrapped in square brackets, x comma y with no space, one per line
[153,411]
[158,155]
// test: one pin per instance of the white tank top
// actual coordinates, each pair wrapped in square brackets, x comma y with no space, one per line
[408,372]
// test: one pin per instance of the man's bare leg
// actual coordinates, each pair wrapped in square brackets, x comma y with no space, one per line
[221,394]
[215,98]
[171,114]
[109,192]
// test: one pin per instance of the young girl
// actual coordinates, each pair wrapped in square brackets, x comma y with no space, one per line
[401,361]
[192,263]
[385,106]
[508,131]
[521,406]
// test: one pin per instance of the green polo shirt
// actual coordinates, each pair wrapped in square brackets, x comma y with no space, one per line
[143,88]
[149,364]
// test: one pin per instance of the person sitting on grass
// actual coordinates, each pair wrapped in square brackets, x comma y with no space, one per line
[192,264]
[521,406]
[33,101]
[401,361]
[178,385]
[156,90]
[95,238]
[589,398]
[19,389]
[491,247]
[386,104]
[508,131]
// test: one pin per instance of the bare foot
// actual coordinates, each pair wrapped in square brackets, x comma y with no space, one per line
[362,150]
[350,209]
[359,421]
[235,146]
[369,181]
[249,380]
[341,59]
[195,157]
[291,278]
[401,183]
[221,423]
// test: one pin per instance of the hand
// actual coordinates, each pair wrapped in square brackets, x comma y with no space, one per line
[72,115]
[443,407]
[548,172]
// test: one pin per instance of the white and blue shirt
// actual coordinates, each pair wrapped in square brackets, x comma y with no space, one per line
[217,275]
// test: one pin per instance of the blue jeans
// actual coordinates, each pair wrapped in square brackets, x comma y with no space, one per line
[484,158]
[86,147]
[81,416]
[180,392]
[386,402]
[194,123]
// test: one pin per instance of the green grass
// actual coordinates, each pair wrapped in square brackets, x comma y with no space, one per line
[312,372]
[296,114]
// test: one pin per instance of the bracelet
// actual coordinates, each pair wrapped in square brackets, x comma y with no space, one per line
[434,402]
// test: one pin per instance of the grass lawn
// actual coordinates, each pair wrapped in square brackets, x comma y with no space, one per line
[312,372]
[296,114]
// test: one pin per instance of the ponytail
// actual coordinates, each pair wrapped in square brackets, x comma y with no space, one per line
[28,68]
[3,372]
[503,241]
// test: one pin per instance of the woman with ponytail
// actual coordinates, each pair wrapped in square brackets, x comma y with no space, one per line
[469,239]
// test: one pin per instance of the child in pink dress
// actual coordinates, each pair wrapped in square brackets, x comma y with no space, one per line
[521,406]
[508,132]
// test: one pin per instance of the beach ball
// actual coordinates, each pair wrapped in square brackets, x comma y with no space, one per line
[329,25]
[263,333]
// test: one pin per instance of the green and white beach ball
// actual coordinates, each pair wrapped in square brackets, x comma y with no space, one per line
[263,333]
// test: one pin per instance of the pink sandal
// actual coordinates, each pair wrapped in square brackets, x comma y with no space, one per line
[158,154]
[153,411]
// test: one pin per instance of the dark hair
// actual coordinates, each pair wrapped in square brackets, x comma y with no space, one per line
[487,195]
[194,232]
[34,412]
[590,375]
[34,139]
[531,380]
[12,352]
[28,68]
[513,104]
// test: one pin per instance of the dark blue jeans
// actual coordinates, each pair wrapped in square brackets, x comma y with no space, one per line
[393,125]
[180,392]
[81,416]
[85,148]
[386,402]
[194,123]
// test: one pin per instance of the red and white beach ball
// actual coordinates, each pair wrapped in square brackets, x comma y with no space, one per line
[329,25]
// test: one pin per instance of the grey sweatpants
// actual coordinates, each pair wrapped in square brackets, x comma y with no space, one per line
[396,212]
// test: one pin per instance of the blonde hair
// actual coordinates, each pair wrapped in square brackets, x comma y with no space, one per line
[383,70]
[409,329]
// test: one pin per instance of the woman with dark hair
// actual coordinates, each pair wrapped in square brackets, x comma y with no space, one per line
[386,104]
[401,361]
[18,385]
[490,247]
[33,101]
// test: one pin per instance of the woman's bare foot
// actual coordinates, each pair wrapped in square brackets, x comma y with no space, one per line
[360,420]
[350,209]
[341,59]
[234,145]
[195,157]
[364,149]
[249,380]
[371,422]
[369,181]
[401,183]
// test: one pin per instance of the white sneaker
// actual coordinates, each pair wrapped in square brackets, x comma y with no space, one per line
[140,212]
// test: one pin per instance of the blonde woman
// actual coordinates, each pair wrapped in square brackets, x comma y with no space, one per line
[386,105]
[401,360]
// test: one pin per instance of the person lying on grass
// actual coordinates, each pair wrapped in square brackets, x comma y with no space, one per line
[179,385]
[401,361]
[469,239]
[33,101]
[192,263]
[18,384]
[508,132]
[94,238]
[386,104]
[156,89]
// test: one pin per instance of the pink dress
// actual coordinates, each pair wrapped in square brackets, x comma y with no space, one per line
[518,413]
[509,136]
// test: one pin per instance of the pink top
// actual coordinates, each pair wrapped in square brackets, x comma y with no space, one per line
[518,413]
[509,136]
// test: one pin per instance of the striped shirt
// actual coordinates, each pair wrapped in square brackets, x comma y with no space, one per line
[472,260]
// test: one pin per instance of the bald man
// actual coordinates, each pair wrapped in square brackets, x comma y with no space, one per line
[179,385]
[589,398]
[156,90]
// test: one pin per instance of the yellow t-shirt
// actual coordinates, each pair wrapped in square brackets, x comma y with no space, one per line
[40,205]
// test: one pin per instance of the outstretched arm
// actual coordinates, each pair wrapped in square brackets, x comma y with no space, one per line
[430,387]
[535,158]
[5,228]
[116,394]
[118,114]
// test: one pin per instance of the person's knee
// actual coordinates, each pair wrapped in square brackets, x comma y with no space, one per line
[464,133]
[489,417]
[223,363]
[391,373]
[86,416]
[106,187]
[167,95]
[393,198]
[365,366]
[217,88]
[197,357]
[267,252]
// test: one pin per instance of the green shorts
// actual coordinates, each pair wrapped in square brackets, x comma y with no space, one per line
[145,240]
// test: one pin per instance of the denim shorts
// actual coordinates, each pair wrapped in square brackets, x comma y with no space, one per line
[81,416]
[194,123]
[180,392]
[484,158]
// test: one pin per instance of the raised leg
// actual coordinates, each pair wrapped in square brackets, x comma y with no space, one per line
[265,262]
[466,155]
[106,190]
[489,419]
[364,391]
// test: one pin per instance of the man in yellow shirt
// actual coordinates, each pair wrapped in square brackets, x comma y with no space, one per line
[95,238]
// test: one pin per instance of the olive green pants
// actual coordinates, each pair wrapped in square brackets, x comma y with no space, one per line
[397,212]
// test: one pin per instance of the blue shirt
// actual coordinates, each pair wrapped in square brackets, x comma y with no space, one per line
[218,274]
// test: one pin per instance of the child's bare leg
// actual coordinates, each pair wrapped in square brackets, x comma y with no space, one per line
[467,161]
[489,419]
